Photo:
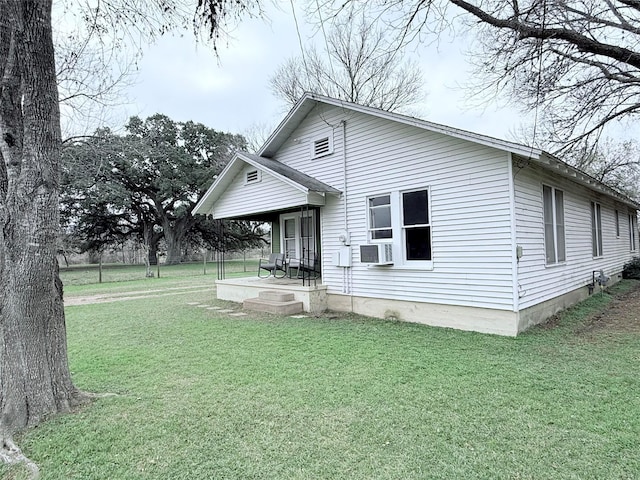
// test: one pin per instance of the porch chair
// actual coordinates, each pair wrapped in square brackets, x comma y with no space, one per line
[273,265]
[309,267]
[292,264]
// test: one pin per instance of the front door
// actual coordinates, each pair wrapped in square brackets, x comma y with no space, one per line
[298,234]
[289,237]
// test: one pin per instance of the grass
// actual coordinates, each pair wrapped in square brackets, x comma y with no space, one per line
[202,394]
[89,274]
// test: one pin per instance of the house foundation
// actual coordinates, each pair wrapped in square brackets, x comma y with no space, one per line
[484,320]
[540,312]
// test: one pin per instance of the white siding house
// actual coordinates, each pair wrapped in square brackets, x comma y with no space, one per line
[477,233]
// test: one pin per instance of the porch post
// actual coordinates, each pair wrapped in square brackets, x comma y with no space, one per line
[309,251]
[220,249]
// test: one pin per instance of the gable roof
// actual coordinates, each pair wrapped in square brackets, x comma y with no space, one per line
[309,101]
[300,180]
[290,176]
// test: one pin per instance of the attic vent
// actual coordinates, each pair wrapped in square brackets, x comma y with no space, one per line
[252,176]
[322,146]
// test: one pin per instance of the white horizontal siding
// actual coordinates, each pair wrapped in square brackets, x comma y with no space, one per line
[470,215]
[242,199]
[539,282]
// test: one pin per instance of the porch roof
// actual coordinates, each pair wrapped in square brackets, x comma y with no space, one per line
[304,188]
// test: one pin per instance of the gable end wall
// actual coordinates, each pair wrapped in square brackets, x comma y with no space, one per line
[470,214]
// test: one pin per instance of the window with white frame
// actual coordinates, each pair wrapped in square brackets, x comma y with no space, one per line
[298,234]
[380,217]
[596,228]
[553,211]
[416,226]
[290,238]
[617,223]
[633,228]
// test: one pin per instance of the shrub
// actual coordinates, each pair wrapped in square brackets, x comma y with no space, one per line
[632,269]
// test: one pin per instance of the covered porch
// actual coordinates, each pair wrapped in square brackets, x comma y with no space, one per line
[264,190]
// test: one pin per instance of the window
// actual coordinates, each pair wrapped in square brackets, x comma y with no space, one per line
[252,176]
[633,228]
[322,146]
[596,229]
[306,232]
[553,207]
[298,234]
[380,217]
[416,226]
[617,223]
[290,240]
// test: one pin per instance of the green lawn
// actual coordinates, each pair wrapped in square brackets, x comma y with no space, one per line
[89,274]
[205,395]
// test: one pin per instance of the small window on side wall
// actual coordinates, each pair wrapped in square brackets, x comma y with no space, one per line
[380,217]
[596,229]
[553,212]
[633,228]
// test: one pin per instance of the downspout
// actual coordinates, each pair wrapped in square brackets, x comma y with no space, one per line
[344,171]
[346,272]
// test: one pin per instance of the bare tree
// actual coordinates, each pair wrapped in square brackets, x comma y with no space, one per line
[578,60]
[35,381]
[96,58]
[360,64]
[614,162]
[256,134]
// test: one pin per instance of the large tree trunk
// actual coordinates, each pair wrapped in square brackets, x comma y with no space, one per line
[34,375]
[174,246]
[174,234]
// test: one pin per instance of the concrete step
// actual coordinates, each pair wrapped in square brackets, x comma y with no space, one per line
[275,296]
[290,307]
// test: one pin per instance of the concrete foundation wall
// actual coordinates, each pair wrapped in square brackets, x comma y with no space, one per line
[315,299]
[484,320]
[542,311]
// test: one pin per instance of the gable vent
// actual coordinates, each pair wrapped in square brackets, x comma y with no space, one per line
[252,177]
[322,146]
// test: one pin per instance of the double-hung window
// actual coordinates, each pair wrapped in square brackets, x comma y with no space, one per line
[380,217]
[596,228]
[633,228]
[416,225]
[553,206]
[404,218]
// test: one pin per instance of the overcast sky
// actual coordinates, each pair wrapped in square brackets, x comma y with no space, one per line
[230,93]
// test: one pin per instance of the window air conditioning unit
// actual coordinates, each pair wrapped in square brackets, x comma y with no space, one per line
[377,254]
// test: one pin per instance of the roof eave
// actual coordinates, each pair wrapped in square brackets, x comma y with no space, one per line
[553,163]
[204,206]
[308,101]
[280,177]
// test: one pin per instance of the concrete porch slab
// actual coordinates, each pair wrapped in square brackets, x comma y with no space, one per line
[313,298]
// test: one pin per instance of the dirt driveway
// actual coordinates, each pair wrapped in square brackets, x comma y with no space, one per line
[622,315]
[134,295]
